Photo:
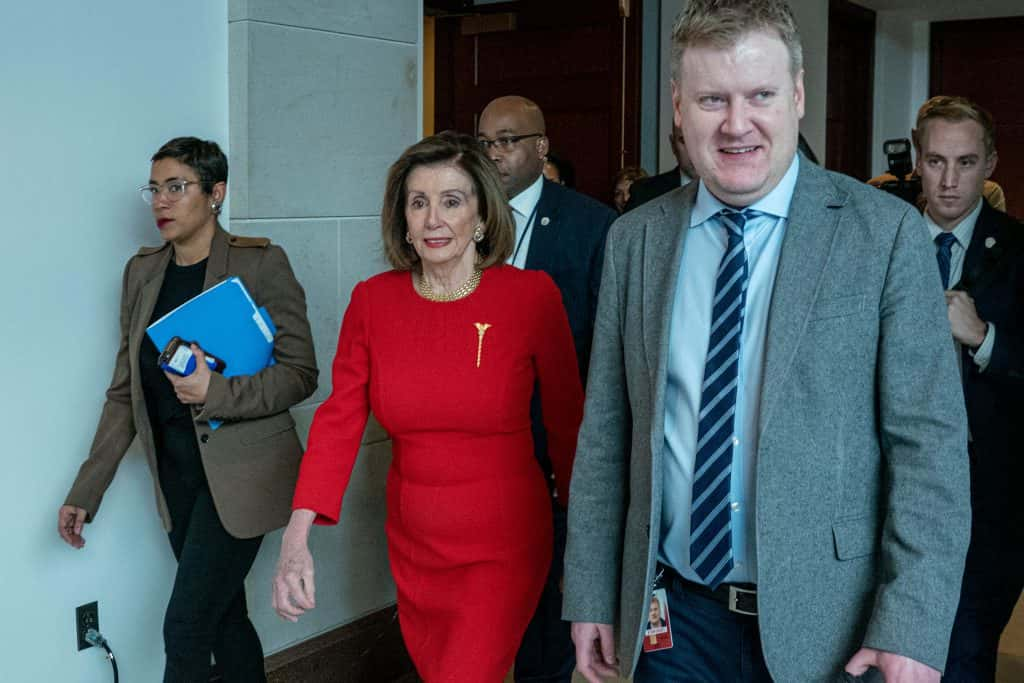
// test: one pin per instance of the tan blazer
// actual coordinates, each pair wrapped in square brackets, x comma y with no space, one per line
[252,460]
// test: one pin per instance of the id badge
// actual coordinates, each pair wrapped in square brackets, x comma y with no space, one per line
[658,634]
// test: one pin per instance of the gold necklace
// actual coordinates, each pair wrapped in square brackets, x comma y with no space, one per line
[468,287]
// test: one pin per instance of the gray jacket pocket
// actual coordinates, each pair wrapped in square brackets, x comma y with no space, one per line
[855,537]
[838,307]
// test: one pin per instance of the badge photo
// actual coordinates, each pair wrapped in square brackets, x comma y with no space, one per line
[658,632]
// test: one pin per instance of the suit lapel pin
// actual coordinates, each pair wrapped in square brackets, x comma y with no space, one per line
[545,220]
[990,242]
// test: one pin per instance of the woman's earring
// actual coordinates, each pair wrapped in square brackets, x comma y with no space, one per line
[215,207]
[478,234]
[408,237]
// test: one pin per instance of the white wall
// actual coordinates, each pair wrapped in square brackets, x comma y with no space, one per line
[323,98]
[901,80]
[812,19]
[902,62]
[90,91]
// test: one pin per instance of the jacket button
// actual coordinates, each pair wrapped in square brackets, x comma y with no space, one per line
[204,438]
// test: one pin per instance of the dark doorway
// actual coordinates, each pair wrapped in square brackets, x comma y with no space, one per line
[851,59]
[983,60]
[578,59]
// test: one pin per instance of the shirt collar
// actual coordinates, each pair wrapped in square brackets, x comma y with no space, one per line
[963,231]
[524,202]
[775,203]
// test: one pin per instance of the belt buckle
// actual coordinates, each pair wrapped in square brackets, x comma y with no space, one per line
[734,600]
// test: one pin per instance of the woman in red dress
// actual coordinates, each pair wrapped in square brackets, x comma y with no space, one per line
[446,350]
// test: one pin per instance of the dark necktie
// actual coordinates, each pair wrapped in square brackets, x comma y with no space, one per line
[710,514]
[944,241]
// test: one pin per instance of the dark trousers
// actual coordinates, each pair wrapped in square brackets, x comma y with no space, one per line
[710,644]
[993,579]
[547,654]
[207,612]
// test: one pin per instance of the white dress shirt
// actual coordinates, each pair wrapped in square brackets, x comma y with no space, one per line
[524,209]
[963,232]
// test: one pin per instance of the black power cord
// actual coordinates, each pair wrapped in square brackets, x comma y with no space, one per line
[94,637]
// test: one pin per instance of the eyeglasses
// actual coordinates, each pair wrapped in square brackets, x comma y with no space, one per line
[505,143]
[172,189]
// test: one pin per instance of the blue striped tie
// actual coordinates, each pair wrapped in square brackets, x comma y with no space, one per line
[710,516]
[944,241]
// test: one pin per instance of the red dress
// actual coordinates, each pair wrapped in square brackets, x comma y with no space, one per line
[469,515]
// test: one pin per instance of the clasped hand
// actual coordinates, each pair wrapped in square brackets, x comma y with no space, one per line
[294,590]
[191,389]
[70,520]
[968,328]
[595,651]
[894,668]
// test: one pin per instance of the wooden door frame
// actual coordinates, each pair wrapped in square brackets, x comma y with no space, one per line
[627,84]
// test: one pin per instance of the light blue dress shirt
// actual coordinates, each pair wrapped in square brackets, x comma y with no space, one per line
[689,332]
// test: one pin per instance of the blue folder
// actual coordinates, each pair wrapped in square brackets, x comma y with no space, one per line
[225,322]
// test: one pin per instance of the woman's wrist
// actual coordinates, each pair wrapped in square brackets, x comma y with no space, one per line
[300,523]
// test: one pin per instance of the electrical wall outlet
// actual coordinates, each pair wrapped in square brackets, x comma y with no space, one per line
[86,617]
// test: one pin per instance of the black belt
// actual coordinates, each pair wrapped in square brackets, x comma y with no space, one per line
[739,598]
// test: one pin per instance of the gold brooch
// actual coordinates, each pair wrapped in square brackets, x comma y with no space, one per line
[481,329]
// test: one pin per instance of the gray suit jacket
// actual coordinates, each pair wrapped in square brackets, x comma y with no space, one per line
[862,482]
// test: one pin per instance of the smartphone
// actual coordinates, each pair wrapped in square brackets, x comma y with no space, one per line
[177,357]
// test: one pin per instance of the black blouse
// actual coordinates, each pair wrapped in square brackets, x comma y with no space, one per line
[173,434]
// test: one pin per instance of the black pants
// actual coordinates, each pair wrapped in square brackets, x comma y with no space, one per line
[994,571]
[993,579]
[207,612]
[710,644]
[546,654]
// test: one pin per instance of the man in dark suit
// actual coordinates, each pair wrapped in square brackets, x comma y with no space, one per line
[561,232]
[646,189]
[979,258]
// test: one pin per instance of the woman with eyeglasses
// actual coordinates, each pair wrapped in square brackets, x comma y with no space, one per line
[218,491]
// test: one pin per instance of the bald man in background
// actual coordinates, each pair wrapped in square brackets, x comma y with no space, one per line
[561,232]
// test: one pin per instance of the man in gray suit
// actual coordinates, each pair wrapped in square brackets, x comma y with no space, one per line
[774,439]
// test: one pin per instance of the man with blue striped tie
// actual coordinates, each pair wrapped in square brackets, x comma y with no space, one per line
[773,443]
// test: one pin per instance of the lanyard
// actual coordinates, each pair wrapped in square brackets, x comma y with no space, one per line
[527,227]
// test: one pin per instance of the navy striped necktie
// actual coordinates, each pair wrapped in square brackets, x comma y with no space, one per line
[944,241]
[710,515]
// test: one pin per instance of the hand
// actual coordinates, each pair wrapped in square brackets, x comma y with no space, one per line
[192,389]
[294,590]
[968,328]
[595,651]
[70,520]
[895,668]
